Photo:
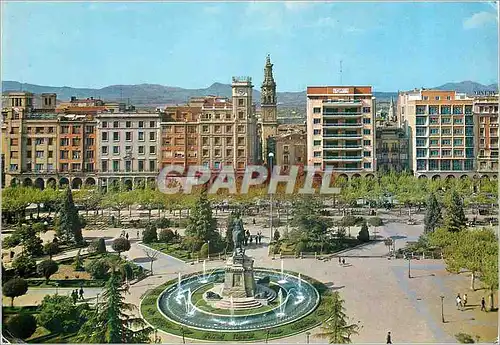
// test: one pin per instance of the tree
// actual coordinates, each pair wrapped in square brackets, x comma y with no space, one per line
[112,322]
[14,288]
[97,268]
[149,235]
[337,328]
[202,225]
[68,224]
[120,245]
[98,246]
[348,221]
[433,215]
[276,235]
[204,250]
[51,248]
[490,272]
[78,263]
[152,256]
[47,268]
[22,325]
[166,236]
[59,314]
[364,235]
[24,265]
[90,198]
[455,217]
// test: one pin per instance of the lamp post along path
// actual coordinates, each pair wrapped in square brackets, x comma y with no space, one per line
[271,155]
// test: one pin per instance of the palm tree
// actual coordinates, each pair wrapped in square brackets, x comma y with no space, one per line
[337,328]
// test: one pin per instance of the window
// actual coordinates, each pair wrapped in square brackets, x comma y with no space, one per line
[241,115]
[468,164]
[434,142]
[116,136]
[422,132]
[89,141]
[420,109]
[229,152]
[38,167]
[75,142]
[104,166]
[457,165]
[76,154]
[76,129]
[317,153]
[128,124]
[241,141]
[446,142]
[468,109]
[229,141]
[316,121]
[421,142]
[39,154]
[152,165]
[317,142]
[128,165]
[229,129]
[458,142]
[152,150]
[241,153]
[151,136]
[434,153]
[141,124]
[217,153]
[433,109]
[51,141]
[104,136]
[205,141]
[437,98]
[217,141]
[89,154]
[434,131]
[50,154]
[205,129]
[116,165]
[141,150]
[115,124]
[458,153]
[367,142]
[205,153]
[13,167]
[141,136]
[65,129]
[426,98]
[448,98]
[458,121]
[241,129]
[64,154]
[445,109]
[445,120]
[421,153]
[458,131]
[366,131]
[241,102]
[366,109]
[446,131]
[367,154]
[64,142]
[457,109]
[317,131]
[64,167]
[116,150]
[140,165]
[367,165]
[152,124]
[433,164]
[367,121]
[446,153]
[316,110]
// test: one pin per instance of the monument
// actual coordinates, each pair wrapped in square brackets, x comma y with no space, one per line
[239,279]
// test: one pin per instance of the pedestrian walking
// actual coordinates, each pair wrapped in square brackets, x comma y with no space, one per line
[81,293]
[137,234]
[251,239]
[260,237]
[126,236]
[389,338]
[253,221]
[483,304]
[458,301]
[343,261]
[340,260]
[464,300]
[74,296]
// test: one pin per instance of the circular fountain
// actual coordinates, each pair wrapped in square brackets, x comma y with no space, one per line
[236,299]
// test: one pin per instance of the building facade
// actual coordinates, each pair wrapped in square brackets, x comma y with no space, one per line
[129,148]
[486,123]
[392,149]
[440,125]
[290,150]
[341,129]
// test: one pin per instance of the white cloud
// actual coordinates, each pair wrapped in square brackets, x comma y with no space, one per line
[480,19]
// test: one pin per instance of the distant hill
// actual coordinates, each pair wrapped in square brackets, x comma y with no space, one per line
[158,95]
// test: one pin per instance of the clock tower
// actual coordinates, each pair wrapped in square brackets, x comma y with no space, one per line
[268,108]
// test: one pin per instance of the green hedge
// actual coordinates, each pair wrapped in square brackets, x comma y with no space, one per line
[63,283]
[152,315]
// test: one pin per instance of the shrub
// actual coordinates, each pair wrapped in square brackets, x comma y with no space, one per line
[14,288]
[47,268]
[364,235]
[39,227]
[51,248]
[464,338]
[149,235]
[121,245]
[299,248]
[24,265]
[166,236]
[276,235]
[33,246]
[204,251]
[98,246]
[11,241]
[375,221]
[97,268]
[59,314]
[22,325]
[127,271]
[78,264]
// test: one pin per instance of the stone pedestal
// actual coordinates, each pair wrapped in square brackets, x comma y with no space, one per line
[239,281]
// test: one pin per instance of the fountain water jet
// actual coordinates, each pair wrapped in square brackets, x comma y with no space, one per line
[281,312]
[189,304]
[283,278]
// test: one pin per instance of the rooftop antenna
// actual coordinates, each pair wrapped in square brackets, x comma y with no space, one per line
[341,72]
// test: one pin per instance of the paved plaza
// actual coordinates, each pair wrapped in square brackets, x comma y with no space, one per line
[376,290]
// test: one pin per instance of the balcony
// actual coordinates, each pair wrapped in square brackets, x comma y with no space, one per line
[343,158]
[334,168]
[342,147]
[337,135]
[341,114]
[343,124]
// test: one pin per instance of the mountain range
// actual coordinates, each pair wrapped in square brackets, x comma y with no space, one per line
[153,95]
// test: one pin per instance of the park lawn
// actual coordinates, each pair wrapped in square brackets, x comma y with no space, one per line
[172,249]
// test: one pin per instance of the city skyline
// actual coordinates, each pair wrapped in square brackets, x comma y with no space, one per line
[129,43]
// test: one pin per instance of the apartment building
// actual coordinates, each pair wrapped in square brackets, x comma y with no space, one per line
[180,135]
[129,148]
[486,130]
[392,149]
[440,125]
[341,129]
[290,149]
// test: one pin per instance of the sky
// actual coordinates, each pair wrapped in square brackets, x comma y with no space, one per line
[391,46]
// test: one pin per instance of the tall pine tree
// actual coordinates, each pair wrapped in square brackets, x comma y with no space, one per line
[337,328]
[455,217]
[202,225]
[433,216]
[69,226]
[111,322]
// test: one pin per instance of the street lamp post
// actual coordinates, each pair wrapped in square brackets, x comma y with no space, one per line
[271,155]
[183,339]
[409,272]
[307,337]
[267,334]
[442,309]
[208,249]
